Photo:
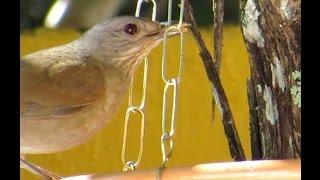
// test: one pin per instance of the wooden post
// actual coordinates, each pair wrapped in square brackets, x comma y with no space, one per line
[271,29]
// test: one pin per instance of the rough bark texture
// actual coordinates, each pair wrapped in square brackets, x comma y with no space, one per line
[271,29]
[218,92]
[218,14]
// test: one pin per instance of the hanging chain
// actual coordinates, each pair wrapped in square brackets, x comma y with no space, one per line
[167,137]
[132,165]
[167,142]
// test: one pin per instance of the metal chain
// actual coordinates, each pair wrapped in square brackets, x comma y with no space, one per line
[132,165]
[167,136]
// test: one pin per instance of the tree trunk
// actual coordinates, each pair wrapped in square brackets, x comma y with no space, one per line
[271,29]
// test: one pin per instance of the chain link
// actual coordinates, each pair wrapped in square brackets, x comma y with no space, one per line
[167,137]
[164,55]
[132,165]
[167,142]
[170,83]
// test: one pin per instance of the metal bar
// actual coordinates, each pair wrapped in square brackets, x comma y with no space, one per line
[248,170]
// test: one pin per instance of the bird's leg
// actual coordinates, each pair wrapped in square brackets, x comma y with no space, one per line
[47,175]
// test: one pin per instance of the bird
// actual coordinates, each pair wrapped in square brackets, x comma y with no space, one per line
[69,92]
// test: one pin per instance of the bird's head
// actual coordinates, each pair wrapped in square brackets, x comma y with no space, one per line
[124,41]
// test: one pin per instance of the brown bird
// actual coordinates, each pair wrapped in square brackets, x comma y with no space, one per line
[69,92]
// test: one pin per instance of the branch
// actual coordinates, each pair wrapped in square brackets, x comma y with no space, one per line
[218,11]
[234,142]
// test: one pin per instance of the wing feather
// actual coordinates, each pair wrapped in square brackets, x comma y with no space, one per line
[54,84]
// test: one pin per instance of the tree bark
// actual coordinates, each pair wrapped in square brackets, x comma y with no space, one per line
[231,132]
[271,29]
[218,14]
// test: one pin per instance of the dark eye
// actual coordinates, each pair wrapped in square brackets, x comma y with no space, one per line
[131,29]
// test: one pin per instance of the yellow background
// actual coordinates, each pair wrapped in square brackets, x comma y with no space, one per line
[198,139]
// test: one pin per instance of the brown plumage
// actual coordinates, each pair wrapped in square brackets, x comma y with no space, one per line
[67,93]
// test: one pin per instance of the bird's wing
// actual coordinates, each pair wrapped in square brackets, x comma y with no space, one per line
[52,87]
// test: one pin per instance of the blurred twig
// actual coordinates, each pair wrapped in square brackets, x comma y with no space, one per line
[218,11]
[220,97]
[218,14]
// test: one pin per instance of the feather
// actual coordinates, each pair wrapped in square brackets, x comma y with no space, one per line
[52,87]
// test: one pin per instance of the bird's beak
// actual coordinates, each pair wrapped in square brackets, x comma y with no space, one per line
[159,33]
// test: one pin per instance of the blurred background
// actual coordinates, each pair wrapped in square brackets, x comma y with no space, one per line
[83,14]
[198,139]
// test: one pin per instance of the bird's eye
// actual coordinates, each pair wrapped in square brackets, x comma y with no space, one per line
[131,29]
